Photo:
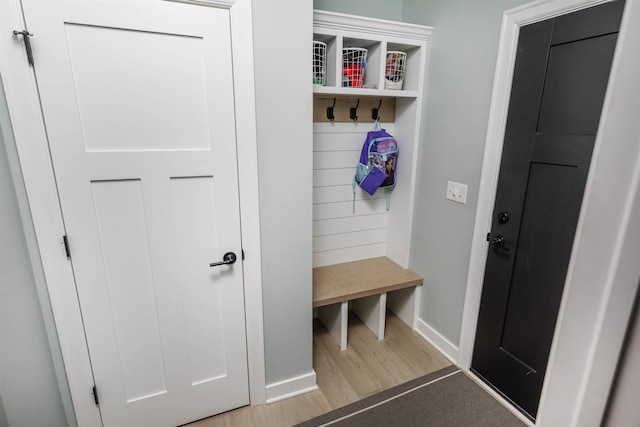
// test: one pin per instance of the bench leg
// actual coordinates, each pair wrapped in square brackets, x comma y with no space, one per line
[371,310]
[335,317]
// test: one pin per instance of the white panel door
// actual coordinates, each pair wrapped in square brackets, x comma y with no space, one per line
[139,106]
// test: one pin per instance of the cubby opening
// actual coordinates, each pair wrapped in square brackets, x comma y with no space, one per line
[330,57]
[412,71]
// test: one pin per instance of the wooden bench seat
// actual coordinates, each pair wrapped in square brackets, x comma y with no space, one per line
[357,279]
[368,287]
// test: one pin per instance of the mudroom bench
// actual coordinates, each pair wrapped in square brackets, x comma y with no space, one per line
[368,287]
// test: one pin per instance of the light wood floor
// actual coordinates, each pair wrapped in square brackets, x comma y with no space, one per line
[368,366]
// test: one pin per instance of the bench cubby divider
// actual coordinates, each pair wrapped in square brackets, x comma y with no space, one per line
[335,318]
[405,304]
[371,310]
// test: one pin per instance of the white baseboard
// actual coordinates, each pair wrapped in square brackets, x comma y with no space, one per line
[443,345]
[291,387]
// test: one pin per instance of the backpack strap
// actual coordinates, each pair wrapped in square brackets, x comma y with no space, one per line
[387,196]
[377,125]
[353,185]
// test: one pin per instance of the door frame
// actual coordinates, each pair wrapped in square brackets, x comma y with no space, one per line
[601,280]
[31,142]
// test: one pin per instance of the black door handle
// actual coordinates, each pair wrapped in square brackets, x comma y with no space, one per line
[498,242]
[228,258]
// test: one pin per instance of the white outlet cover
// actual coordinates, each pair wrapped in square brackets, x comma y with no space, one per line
[457,192]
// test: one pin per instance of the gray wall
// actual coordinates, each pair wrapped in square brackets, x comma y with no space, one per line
[29,391]
[461,61]
[623,408]
[284,120]
[381,9]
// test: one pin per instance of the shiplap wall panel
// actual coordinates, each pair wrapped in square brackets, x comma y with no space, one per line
[347,240]
[341,193]
[339,235]
[338,256]
[335,159]
[332,140]
[352,223]
[329,177]
[345,209]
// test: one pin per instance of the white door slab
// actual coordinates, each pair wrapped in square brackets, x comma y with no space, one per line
[138,101]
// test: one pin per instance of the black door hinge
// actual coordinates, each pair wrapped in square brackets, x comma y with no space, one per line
[94,391]
[27,43]
[243,254]
[65,240]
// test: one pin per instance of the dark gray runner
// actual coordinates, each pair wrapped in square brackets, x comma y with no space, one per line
[443,398]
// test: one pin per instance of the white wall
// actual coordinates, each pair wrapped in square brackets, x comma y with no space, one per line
[283,31]
[29,391]
[338,235]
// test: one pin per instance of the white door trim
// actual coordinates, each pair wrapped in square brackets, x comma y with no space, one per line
[30,135]
[247,146]
[606,315]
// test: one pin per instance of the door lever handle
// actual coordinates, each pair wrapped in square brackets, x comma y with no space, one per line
[228,258]
[498,242]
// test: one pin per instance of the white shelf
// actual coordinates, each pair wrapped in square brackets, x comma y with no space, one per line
[378,36]
[372,27]
[330,90]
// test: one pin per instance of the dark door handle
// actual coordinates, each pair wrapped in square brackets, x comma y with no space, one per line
[228,258]
[498,242]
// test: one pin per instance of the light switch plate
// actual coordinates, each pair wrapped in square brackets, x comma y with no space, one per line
[457,192]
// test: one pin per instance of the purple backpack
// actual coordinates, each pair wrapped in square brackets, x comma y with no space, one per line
[377,165]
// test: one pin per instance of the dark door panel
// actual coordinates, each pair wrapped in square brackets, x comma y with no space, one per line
[568,109]
[560,79]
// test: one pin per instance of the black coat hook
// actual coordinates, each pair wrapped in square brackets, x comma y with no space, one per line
[353,111]
[374,111]
[330,115]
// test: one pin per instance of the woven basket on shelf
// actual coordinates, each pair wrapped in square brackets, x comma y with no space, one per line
[354,62]
[319,63]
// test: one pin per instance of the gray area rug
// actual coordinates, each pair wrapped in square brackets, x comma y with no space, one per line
[443,398]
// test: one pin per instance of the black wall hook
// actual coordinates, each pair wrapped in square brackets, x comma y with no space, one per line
[353,111]
[330,115]
[374,111]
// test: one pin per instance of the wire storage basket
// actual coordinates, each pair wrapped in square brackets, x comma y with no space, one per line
[354,61]
[394,70]
[319,63]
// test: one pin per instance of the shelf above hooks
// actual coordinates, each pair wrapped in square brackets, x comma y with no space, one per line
[341,108]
